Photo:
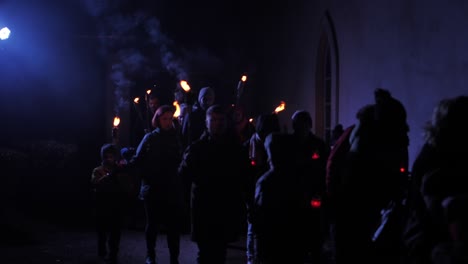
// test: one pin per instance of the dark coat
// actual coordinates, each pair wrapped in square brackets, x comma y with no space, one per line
[216,171]
[312,154]
[157,159]
[193,126]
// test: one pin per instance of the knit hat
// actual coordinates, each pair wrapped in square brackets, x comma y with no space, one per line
[205,91]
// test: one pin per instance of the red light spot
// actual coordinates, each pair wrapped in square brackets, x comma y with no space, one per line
[315,156]
[402,169]
[253,163]
[315,203]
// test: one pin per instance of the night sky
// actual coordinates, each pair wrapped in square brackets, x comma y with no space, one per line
[62,56]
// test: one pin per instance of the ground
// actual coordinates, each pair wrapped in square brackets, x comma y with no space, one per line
[39,236]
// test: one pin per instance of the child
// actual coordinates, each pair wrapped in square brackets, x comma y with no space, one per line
[109,203]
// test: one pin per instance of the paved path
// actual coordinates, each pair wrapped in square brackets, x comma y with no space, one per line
[45,239]
[79,247]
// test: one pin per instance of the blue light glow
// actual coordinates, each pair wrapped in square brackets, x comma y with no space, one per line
[4,33]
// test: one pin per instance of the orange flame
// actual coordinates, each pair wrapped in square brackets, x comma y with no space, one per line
[280,107]
[136,100]
[116,121]
[244,78]
[185,85]
[148,91]
[177,111]
[250,120]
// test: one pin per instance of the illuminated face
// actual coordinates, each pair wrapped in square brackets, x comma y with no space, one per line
[165,121]
[216,124]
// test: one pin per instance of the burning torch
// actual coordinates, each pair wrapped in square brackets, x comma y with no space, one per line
[115,130]
[136,101]
[280,107]
[148,112]
[187,97]
[240,88]
[177,107]
[185,86]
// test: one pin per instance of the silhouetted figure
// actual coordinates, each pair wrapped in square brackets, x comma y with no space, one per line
[279,207]
[145,110]
[110,202]
[215,166]
[312,153]
[130,184]
[193,126]
[454,250]
[153,105]
[194,121]
[336,134]
[265,125]
[374,175]
[243,129]
[157,159]
[335,172]
[438,172]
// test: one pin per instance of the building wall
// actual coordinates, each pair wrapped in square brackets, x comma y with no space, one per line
[415,49]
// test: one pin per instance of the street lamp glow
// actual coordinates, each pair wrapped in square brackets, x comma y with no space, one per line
[4,33]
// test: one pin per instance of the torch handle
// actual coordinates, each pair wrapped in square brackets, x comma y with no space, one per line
[240,91]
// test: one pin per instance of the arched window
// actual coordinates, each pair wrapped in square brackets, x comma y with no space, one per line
[327,85]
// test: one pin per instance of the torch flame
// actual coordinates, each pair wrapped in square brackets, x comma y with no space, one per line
[177,111]
[148,91]
[250,120]
[116,121]
[136,100]
[244,78]
[280,107]
[185,85]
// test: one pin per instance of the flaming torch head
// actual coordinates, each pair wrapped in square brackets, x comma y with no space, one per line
[115,130]
[244,78]
[116,121]
[177,111]
[185,86]
[280,107]
[136,100]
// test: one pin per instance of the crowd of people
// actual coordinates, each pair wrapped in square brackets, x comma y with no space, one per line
[287,193]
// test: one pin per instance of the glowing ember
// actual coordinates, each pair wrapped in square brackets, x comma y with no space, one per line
[402,169]
[177,111]
[116,121]
[280,107]
[136,100]
[185,86]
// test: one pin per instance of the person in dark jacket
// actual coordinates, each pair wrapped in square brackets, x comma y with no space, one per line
[110,202]
[439,172]
[312,153]
[278,213]
[265,125]
[194,121]
[157,159]
[215,166]
[374,176]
